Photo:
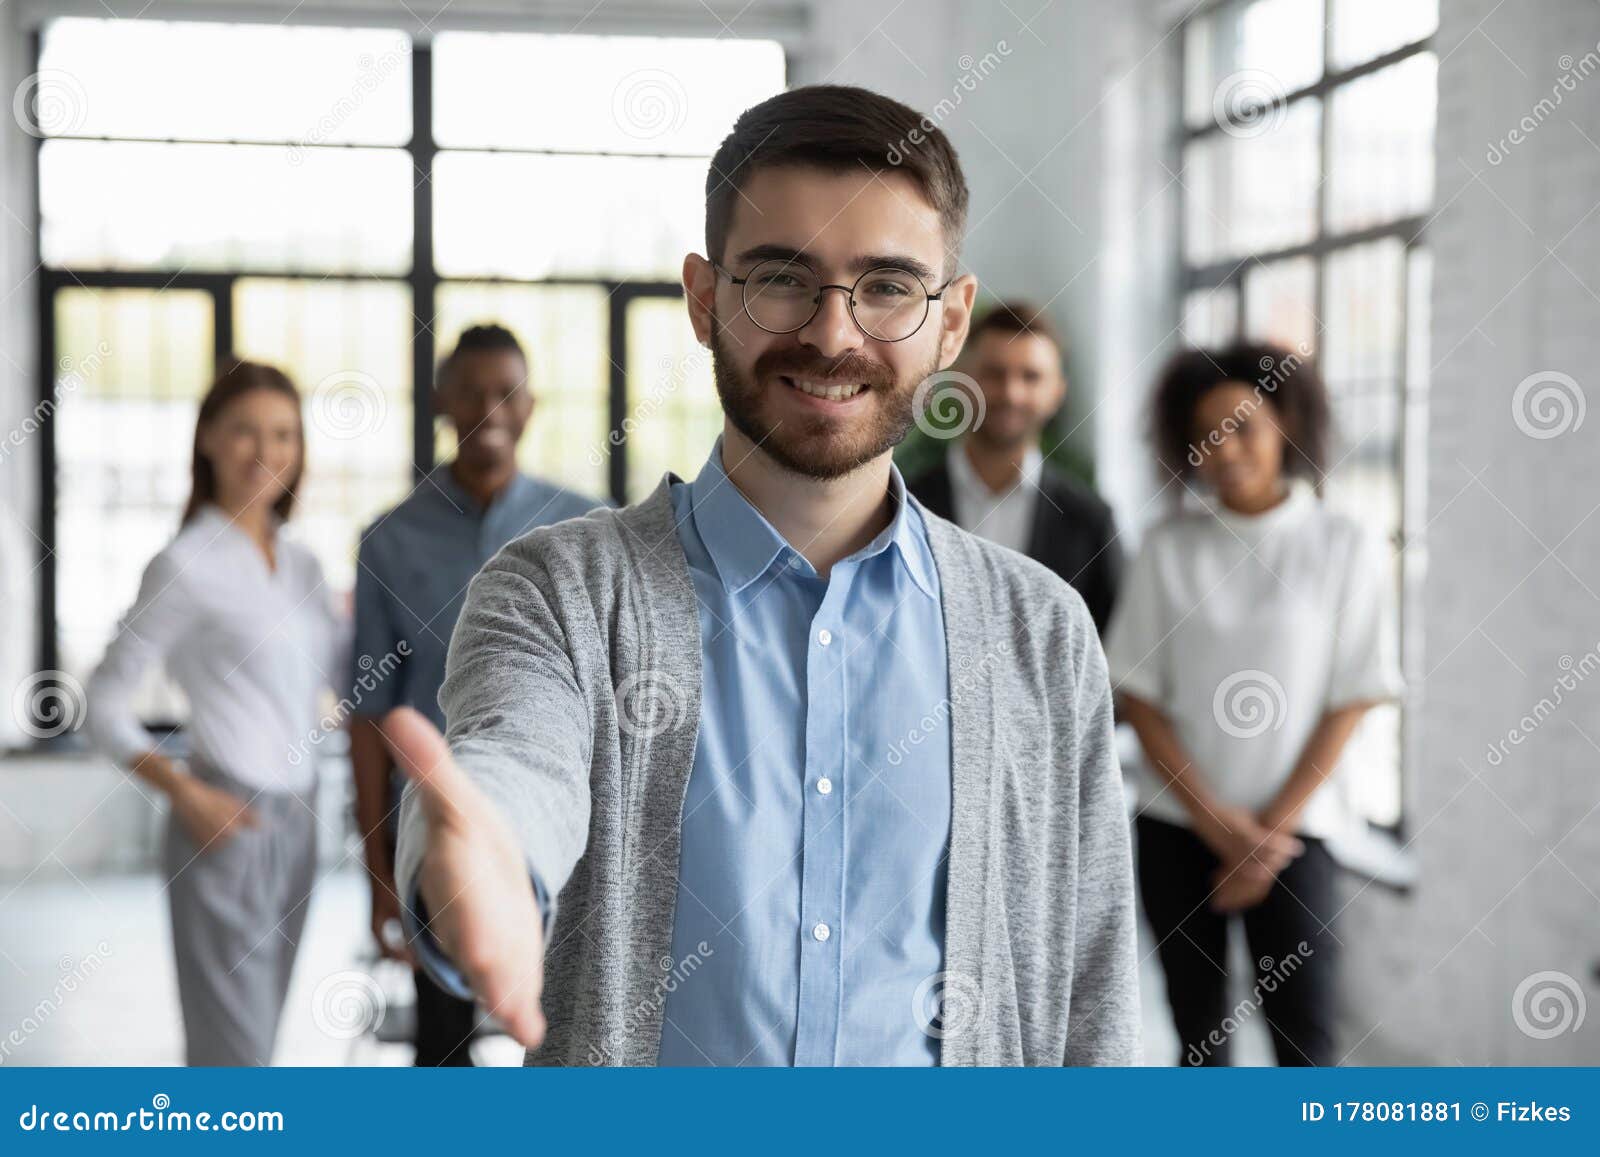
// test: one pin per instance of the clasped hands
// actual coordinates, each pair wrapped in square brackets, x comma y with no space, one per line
[1252,855]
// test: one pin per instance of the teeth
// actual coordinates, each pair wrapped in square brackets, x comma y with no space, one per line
[836,393]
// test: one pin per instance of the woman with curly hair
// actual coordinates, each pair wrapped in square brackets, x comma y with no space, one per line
[1252,636]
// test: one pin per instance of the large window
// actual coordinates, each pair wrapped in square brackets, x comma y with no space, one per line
[1307,174]
[347,227]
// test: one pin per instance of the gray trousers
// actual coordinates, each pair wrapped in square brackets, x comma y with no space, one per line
[237,912]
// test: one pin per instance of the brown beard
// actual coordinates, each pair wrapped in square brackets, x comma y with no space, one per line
[815,446]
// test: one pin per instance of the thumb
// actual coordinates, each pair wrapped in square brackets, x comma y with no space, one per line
[423,756]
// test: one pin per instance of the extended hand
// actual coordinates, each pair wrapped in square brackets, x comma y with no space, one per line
[474,881]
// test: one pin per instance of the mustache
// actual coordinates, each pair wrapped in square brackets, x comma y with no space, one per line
[806,363]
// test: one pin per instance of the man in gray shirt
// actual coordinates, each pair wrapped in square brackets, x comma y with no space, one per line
[411,579]
[785,697]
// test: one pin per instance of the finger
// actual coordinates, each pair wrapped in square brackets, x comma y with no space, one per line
[423,756]
[1285,843]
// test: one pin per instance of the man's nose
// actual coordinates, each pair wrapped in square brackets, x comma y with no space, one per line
[832,332]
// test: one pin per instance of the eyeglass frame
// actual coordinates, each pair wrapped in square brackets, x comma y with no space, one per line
[823,287]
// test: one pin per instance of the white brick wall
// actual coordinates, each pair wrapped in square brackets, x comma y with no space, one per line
[1509,855]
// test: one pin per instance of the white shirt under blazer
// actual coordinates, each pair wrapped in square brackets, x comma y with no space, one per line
[1245,630]
[253,647]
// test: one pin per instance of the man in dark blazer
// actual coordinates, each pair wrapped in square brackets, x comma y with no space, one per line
[995,482]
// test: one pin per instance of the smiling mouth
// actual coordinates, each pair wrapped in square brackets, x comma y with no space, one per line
[831,391]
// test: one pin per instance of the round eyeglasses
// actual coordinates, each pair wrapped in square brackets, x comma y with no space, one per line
[782,296]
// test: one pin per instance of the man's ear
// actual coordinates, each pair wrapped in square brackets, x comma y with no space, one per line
[700,294]
[956,317]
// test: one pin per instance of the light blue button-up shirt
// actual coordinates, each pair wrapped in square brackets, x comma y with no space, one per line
[809,926]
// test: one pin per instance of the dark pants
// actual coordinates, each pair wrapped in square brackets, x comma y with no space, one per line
[444,1026]
[1294,954]
[444,1022]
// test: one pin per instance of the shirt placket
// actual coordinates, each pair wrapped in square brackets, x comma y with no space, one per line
[822,913]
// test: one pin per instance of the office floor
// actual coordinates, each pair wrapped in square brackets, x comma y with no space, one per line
[121,1009]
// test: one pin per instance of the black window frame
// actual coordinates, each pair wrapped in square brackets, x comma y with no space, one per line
[1230,274]
[423,281]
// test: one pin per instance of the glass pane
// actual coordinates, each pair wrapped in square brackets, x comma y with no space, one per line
[616,94]
[1252,189]
[132,205]
[1246,52]
[1362,316]
[225,82]
[347,345]
[1363,29]
[565,332]
[1211,317]
[1280,303]
[615,217]
[1380,161]
[132,365]
[673,412]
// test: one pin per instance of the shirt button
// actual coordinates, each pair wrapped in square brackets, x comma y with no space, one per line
[821,932]
[796,562]
[825,785]
[824,636]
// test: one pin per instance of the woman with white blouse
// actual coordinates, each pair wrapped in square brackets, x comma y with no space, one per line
[1252,635]
[245,626]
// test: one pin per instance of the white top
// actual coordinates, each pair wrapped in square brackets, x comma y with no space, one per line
[1245,631]
[1005,517]
[253,648]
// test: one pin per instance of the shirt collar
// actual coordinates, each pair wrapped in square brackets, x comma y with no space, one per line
[965,476]
[464,503]
[1299,501]
[743,544]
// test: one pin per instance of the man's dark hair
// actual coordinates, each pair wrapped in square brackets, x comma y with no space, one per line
[1014,317]
[480,339]
[839,128]
[1287,381]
